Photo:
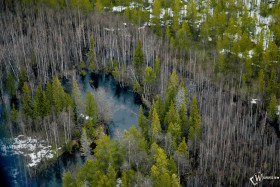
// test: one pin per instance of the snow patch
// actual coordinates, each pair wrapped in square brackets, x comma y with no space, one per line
[85,117]
[119,182]
[33,149]
[254,101]
[118,8]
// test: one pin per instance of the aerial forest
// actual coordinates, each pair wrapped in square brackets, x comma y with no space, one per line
[207,73]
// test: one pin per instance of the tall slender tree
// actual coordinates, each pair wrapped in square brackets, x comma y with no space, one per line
[142,122]
[40,103]
[139,60]
[11,85]
[77,99]
[155,21]
[156,127]
[91,107]
[91,54]
[27,107]
[194,121]
[272,109]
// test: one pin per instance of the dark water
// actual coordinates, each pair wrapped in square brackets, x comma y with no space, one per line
[125,108]
[125,104]
[53,175]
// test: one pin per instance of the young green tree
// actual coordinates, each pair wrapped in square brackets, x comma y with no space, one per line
[91,54]
[204,33]
[77,99]
[67,180]
[127,13]
[258,52]
[149,80]
[145,17]
[160,174]
[128,178]
[14,114]
[103,152]
[175,181]
[142,122]
[27,107]
[248,70]
[138,61]
[175,130]
[155,176]
[244,42]
[159,106]
[84,5]
[219,44]
[192,15]
[175,24]
[234,65]
[40,103]
[112,176]
[137,87]
[161,160]
[67,102]
[88,173]
[272,109]
[274,54]
[220,66]
[171,165]
[172,43]
[82,69]
[221,22]
[186,28]
[91,107]
[107,152]
[171,89]
[149,76]
[124,180]
[22,77]
[11,85]
[167,33]
[155,21]
[156,127]
[90,128]
[194,121]
[182,148]
[177,8]
[172,116]
[165,18]
[98,6]
[184,119]
[57,95]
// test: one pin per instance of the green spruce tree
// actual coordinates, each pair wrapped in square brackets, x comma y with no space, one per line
[27,107]
[11,85]
[40,103]
[22,77]
[155,21]
[194,121]
[272,109]
[139,61]
[91,54]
